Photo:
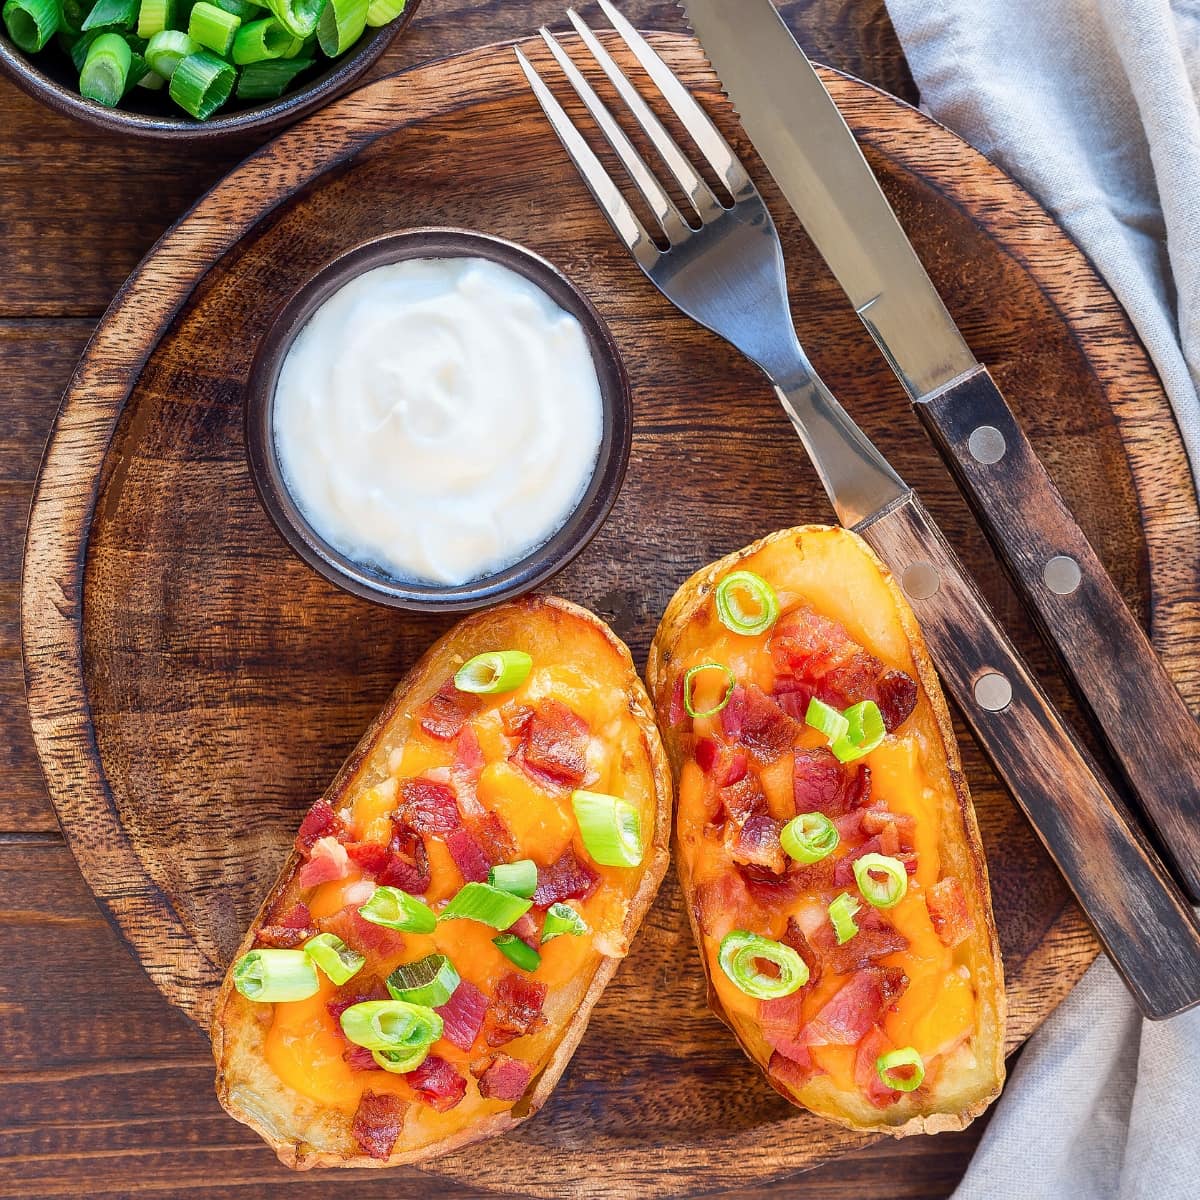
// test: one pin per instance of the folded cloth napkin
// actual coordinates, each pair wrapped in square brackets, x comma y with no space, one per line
[1092,105]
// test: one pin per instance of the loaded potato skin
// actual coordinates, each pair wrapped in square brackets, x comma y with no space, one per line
[825,840]
[459,809]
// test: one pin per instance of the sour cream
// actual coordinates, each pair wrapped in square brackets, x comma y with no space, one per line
[438,419]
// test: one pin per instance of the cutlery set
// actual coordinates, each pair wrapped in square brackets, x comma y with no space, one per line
[719,260]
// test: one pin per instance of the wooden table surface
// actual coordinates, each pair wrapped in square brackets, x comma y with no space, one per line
[105,1090]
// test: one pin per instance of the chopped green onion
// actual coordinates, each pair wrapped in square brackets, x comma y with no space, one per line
[106,70]
[400,1062]
[395,909]
[152,81]
[885,893]
[201,84]
[167,49]
[519,878]
[138,70]
[842,912]
[334,957]
[689,685]
[610,827]
[154,16]
[746,603]
[809,837]
[392,1025]
[270,79]
[71,15]
[496,670]
[486,904]
[738,957]
[380,12]
[111,14]
[260,41]
[298,16]
[517,951]
[32,23]
[213,27]
[80,47]
[886,1064]
[826,719]
[244,10]
[275,976]
[866,731]
[341,25]
[560,919]
[429,981]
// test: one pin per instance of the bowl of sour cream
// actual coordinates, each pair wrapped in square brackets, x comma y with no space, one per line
[438,419]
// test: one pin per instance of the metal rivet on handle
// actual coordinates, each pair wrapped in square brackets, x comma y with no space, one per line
[993,692]
[920,580]
[986,445]
[1062,574]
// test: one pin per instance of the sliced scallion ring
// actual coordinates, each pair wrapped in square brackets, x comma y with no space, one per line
[886,1066]
[213,27]
[380,12]
[395,909]
[106,70]
[31,23]
[841,916]
[334,957]
[275,976]
[154,16]
[486,904]
[746,603]
[826,719]
[518,878]
[341,25]
[739,955]
[560,919]
[610,828]
[298,16]
[400,1062]
[271,78]
[167,49]
[392,1025]
[429,981]
[517,951]
[865,731]
[689,685]
[493,671]
[260,41]
[881,893]
[202,83]
[809,837]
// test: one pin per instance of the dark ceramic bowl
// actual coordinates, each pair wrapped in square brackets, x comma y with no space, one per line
[49,76]
[364,581]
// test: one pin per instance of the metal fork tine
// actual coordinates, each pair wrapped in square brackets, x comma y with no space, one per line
[701,195]
[669,217]
[614,205]
[695,120]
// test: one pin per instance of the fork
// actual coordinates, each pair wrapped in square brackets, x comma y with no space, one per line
[723,266]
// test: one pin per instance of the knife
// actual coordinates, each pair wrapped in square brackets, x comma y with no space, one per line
[816,161]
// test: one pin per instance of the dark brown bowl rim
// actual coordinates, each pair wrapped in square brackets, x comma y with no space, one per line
[342,72]
[526,574]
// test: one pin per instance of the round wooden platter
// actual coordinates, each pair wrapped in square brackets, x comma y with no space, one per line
[193,686]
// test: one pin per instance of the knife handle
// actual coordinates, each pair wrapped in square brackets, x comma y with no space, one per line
[1104,650]
[1140,915]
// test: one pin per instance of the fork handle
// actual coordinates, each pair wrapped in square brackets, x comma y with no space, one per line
[1105,652]
[1140,915]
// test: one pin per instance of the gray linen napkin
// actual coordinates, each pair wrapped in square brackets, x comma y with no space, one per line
[1092,105]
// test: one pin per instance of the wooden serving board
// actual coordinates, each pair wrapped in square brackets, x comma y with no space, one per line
[193,685]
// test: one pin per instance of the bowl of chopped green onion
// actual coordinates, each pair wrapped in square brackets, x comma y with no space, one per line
[193,68]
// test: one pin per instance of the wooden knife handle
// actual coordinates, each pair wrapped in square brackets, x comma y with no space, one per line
[1140,915]
[1104,650]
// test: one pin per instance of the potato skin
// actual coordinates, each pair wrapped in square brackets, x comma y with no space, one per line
[289,1122]
[690,601]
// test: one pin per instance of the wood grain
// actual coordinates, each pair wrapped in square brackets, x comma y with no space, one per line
[226,681]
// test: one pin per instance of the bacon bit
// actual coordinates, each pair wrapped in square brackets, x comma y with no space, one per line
[462,1015]
[318,821]
[707,753]
[792,1073]
[362,935]
[896,695]
[756,843]
[283,937]
[437,1083]
[796,938]
[369,857]
[468,753]
[526,928]
[866,1076]
[566,879]
[947,904]
[329,861]
[408,863]
[352,993]
[822,784]
[468,855]
[296,917]
[676,711]
[849,826]
[725,764]
[744,799]
[880,821]
[752,718]
[554,748]
[428,807]
[445,713]
[875,939]
[780,1020]
[516,1009]
[515,718]
[377,1122]
[774,892]
[855,1007]
[843,871]
[722,904]
[505,1079]
[359,1058]
[494,838]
